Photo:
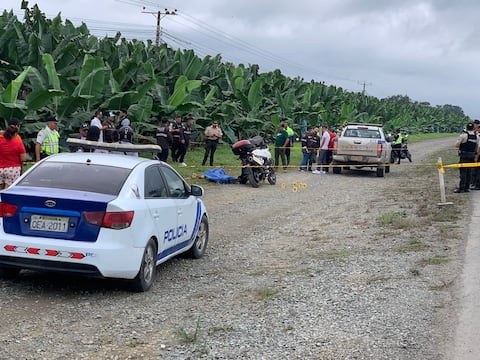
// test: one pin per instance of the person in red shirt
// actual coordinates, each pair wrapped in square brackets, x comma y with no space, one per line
[333,135]
[12,154]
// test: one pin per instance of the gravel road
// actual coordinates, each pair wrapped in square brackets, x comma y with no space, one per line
[346,266]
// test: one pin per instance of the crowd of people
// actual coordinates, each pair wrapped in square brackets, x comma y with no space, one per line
[317,147]
[174,138]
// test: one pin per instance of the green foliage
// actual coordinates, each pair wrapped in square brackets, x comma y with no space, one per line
[71,73]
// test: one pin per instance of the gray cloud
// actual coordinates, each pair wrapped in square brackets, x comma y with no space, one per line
[426,49]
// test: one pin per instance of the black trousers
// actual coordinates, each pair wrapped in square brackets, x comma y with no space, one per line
[465,172]
[210,148]
[175,150]
[183,151]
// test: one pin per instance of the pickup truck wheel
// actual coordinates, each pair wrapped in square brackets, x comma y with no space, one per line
[380,171]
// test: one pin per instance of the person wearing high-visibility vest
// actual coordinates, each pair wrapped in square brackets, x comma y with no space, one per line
[47,142]
[397,144]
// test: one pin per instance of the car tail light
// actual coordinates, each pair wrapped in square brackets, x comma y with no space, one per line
[379,149]
[113,220]
[7,210]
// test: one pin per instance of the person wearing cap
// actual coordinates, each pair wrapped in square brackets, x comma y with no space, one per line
[47,142]
[213,134]
[110,132]
[82,135]
[176,129]
[467,144]
[187,135]
[12,154]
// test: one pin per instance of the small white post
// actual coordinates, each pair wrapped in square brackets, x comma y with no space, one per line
[442,184]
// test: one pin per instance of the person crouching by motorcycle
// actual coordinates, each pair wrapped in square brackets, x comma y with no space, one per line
[310,144]
[397,145]
[467,144]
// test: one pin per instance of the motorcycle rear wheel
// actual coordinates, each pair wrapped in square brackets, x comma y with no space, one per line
[254,177]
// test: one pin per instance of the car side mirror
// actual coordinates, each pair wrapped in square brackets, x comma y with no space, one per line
[196,190]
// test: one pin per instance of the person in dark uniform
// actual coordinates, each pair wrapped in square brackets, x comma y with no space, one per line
[110,133]
[187,135]
[177,133]
[310,144]
[164,139]
[467,145]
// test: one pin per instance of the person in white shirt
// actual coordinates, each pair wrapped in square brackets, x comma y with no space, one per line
[97,121]
[323,155]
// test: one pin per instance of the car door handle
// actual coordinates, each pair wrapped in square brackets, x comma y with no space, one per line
[179,212]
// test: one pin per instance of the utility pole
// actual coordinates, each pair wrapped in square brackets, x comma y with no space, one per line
[364,85]
[159,15]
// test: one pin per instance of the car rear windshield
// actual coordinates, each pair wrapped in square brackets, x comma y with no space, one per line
[363,133]
[73,176]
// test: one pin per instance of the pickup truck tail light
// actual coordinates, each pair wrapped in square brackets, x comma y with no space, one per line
[379,149]
[335,145]
[113,220]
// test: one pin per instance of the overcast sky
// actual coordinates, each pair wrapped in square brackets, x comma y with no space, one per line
[428,50]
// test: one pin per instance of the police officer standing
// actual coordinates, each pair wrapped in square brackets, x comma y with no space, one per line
[177,132]
[187,135]
[164,139]
[467,145]
[47,142]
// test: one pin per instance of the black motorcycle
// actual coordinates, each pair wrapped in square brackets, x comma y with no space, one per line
[399,153]
[256,162]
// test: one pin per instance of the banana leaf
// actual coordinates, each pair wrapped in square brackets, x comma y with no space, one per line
[10,94]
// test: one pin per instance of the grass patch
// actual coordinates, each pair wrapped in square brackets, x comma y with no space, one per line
[447,214]
[186,337]
[134,342]
[334,254]
[412,246]
[444,285]
[397,220]
[434,260]
[376,279]
[221,329]
[265,294]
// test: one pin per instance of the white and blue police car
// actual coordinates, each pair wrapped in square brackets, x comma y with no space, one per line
[100,215]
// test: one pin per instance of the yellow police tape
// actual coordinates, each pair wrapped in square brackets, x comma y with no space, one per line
[442,167]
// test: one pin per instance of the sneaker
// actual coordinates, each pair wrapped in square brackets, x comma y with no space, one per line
[302,170]
[316,172]
[183,164]
[324,172]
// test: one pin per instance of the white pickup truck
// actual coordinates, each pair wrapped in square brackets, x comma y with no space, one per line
[362,145]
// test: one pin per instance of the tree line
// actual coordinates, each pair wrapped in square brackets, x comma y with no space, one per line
[50,66]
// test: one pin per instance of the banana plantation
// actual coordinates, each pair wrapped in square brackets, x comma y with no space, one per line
[50,66]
